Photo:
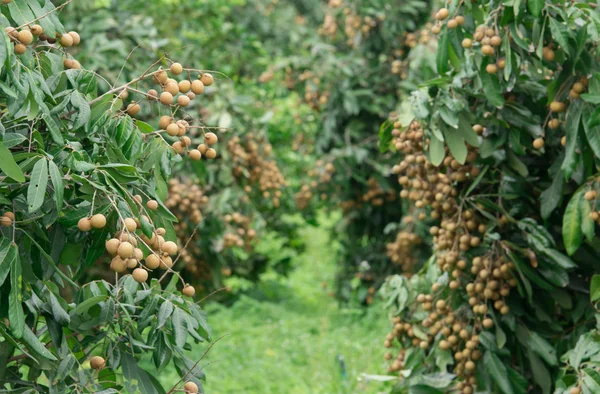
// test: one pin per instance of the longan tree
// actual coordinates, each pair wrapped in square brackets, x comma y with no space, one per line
[499,158]
[83,184]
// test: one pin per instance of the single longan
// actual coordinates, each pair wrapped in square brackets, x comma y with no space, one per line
[138,254]
[176,68]
[491,68]
[442,14]
[195,154]
[166,98]
[130,224]
[5,221]
[487,50]
[173,129]
[557,106]
[190,387]
[75,65]
[460,20]
[197,87]
[152,95]
[98,221]
[152,261]
[202,148]
[37,30]
[76,37]
[191,95]
[161,76]
[207,79]
[170,247]
[210,139]
[186,141]
[211,153]
[20,49]
[131,263]
[66,40]
[554,124]
[172,87]
[97,362]
[112,245]
[164,121]
[538,143]
[184,86]
[183,100]
[133,109]
[548,54]
[189,291]
[25,37]
[178,147]
[9,215]
[125,250]
[117,264]
[140,275]
[467,43]
[166,262]
[488,323]
[152,205]
[578,87]
[496,41]
[84,224]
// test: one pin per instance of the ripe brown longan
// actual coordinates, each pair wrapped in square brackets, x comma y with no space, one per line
[183,100]
[207,79]
[172,87]
[467,43]
[117,264]
[75,36]
[184,86]
[84,224]
[197,87]
[140,275]
[152,95]
[37,30]
[133,109]
[97,362]
[172,129]
[170,247]
[211,153]
[554,124]
[112,245]
[166,98]
[20,49]
[442,14]
[202,148]
[487,50]
[164,121]
[176,68]
[25,37]
[189,291]
[452,24]
[210,139]
[548,54]
[98,221]
[125,250]
[195,154]
[190,387]
[5,221]
[557,106]
[538,143]
[130,224]
[491,68]
[178,147]
[152,205]
[152,261]
[66,40]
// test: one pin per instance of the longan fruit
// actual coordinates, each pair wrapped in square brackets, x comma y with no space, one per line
[172,87]
[164,122]
[210,139]
[467,43]
[575,390]
[442,14]
[557,106]
[5,221]
[178,147]
[452,24]
[211,153]
[98,221]
[173,129]
[554,124]
[138,198]
[117,264]
[538,143]
[166,98]
[133,109]
[488,323]
[207,79]
[183,100]
[66,40]
[131,263]
[75,65]
[487,50]
[124,94]
[501,64]
[37,30]
[191,95]
[186,141]
[68,63]
[97,362]
[184,86]
[112,245]
[125,250]
[170,247]
[195,154]
[140,275]
[161,231]
[189,291]
[548,54]
[25,37]
[460,20]
[76,37]
[161,76]
[469,365]
[130,224]
[590,195]
[436,29]
[152,205]
[190,387]
[578,87]
[202,148]
[84,224]
[166,262]
[197,87]
[152,95]
[563,140]
[20,49]
[491,68]
[152,261]
[9,215]
[496,41]
[176,68]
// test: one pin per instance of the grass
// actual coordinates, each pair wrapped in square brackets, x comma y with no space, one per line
[296,340]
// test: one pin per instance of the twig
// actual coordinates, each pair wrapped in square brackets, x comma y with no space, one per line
[46,14]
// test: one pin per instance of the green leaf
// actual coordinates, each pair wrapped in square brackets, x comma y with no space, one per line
[592,380]
[36,345]
[572,133]
[385,135]
[559,258]
[436,151]
[57,182]
[560,33]
[542,348]
[37,186]
[179,328]
[13,139]
[8,252]
[456,143]
[571,229]
[541,375]
[491,86]
[592,133]
[58,313]
[551,197]
[497,371]
[9,166]
[137,380]
[595,288]
[164,313]
[16,316]
[535,7]
[441,60]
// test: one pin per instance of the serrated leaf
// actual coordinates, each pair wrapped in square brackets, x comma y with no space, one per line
[37,185]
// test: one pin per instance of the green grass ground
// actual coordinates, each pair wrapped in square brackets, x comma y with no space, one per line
[292,341]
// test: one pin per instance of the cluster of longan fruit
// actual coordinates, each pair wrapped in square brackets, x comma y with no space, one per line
[320,175]
[376,195]
[314,97]
[400,64]
[400,251]
[179,128]
[252,159]
[7,219]
[592,197]
[25,37]
[241,234]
